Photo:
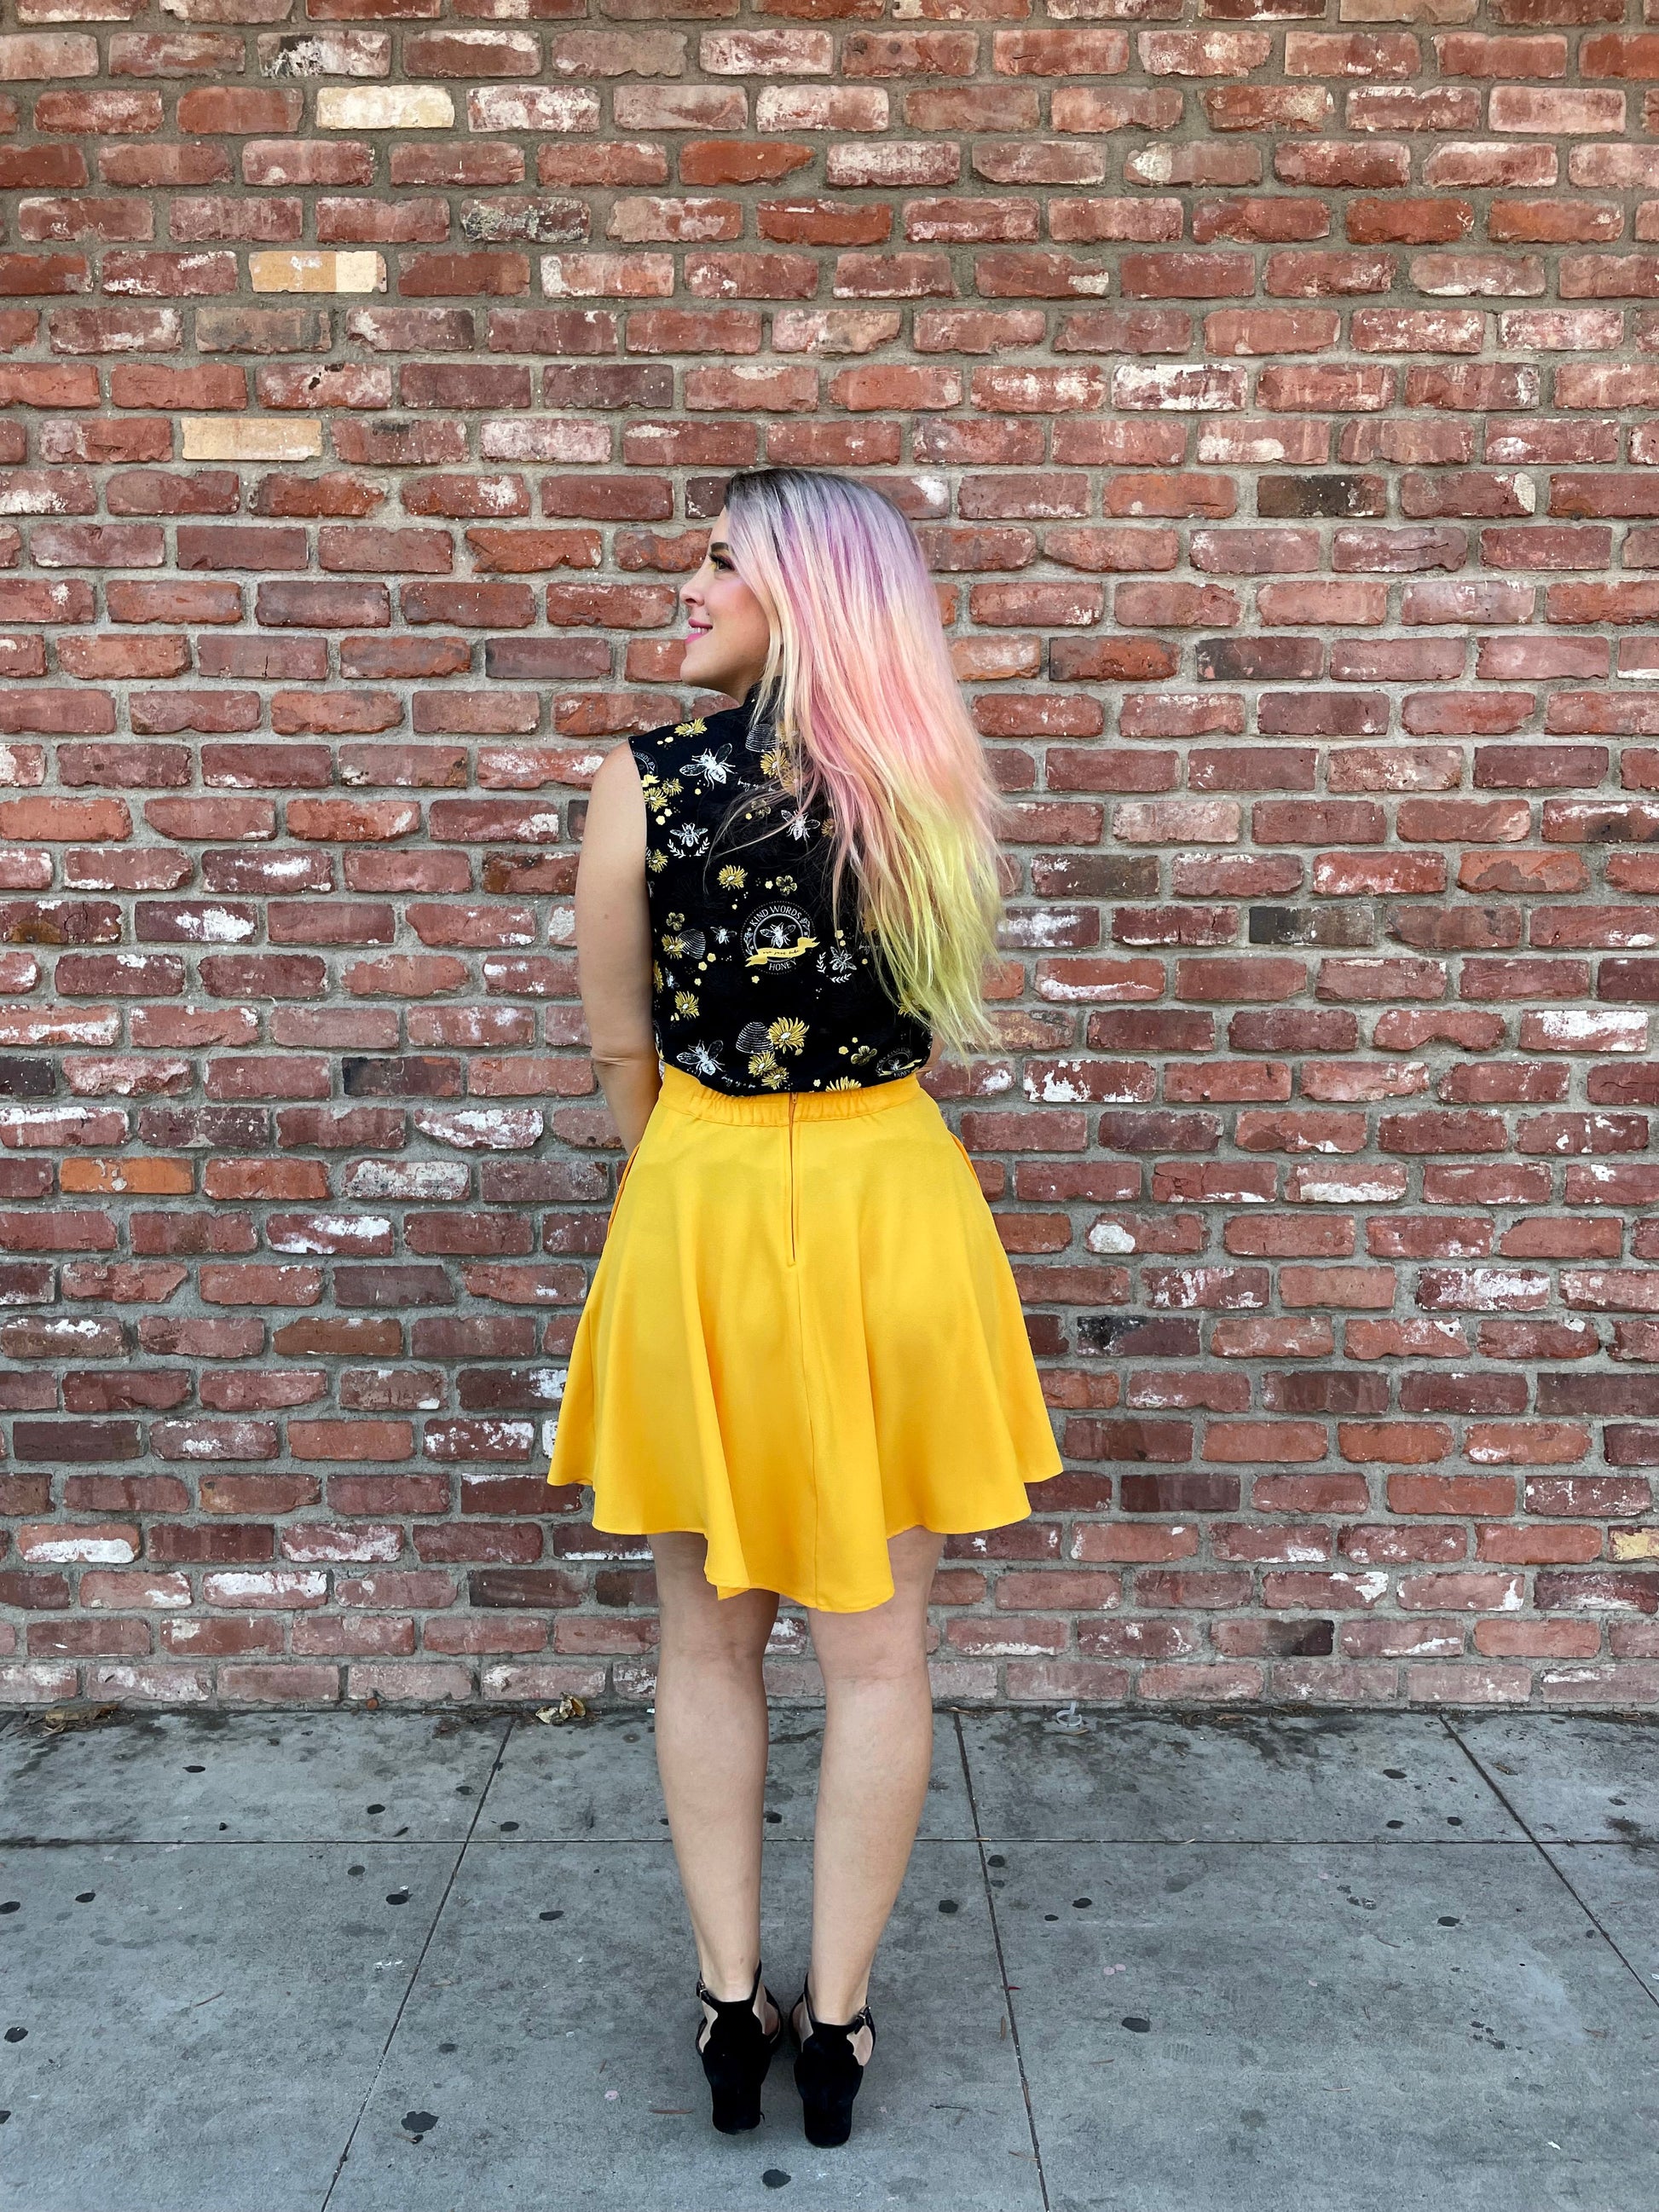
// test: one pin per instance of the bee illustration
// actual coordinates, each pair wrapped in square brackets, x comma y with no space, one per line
[701,1058]
[687,841]
[712,767]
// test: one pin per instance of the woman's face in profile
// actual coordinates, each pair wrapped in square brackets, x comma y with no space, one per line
[728,632]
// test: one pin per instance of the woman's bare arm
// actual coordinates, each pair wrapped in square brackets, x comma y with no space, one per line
[613,944]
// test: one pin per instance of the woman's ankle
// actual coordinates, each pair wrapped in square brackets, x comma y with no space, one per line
[766,2009]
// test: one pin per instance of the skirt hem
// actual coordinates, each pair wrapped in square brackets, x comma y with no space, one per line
[972,1528]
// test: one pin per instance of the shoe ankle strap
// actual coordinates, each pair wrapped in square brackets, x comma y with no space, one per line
[849,2028]
[729,2004]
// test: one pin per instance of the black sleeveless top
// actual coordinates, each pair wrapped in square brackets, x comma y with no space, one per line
[753,987]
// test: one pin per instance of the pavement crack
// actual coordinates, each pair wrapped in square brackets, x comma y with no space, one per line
[1547,1854]
[1002,1966]
[414,1975]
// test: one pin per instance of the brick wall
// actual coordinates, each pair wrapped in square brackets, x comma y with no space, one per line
[1272,391]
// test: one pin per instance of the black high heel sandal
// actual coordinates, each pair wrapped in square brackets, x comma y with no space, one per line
[736,2056]
[828,2072]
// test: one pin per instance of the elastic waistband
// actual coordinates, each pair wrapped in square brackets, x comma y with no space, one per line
[685,1095]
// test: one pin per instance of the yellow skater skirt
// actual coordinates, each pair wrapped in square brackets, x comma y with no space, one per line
[803,1336]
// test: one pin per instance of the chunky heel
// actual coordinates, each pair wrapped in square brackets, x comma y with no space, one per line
[830,2071]
[735,2058]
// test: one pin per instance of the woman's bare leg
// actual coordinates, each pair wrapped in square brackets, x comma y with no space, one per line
[872,1778]
[711,1755]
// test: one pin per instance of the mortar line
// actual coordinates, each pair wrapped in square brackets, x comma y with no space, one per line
[409,1987]
[1538,1843]
[1002,1966]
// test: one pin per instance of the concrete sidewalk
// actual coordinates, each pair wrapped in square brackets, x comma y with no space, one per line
[418,1962]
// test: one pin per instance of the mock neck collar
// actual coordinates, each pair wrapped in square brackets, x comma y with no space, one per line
[757,727]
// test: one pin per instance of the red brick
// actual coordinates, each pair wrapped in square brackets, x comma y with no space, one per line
[239,110]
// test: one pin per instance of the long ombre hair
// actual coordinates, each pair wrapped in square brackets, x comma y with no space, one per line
[870,720]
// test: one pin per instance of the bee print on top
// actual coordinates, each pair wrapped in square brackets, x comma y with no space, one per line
[754,988]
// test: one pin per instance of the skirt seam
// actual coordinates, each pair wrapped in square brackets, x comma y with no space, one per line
[807,1402]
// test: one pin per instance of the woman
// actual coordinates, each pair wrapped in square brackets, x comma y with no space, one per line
[802,1359]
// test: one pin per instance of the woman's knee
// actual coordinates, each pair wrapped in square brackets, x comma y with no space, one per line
[695,1624]
[849,1657]
[886,1642]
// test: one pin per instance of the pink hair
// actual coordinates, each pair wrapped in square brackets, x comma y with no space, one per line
[871,721]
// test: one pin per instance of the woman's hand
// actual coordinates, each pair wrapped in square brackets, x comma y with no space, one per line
[613,944]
